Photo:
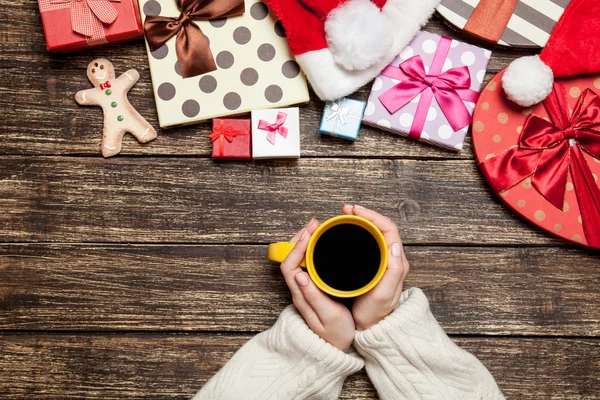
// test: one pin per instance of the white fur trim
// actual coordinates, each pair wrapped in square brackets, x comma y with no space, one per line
[527,81]
[330,81]
[358,34]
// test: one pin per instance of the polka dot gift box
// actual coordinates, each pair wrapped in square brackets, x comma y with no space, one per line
[253,67]
[544,161]
[429,91]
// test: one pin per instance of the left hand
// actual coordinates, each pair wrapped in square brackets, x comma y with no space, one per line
[375,305]
[331,320]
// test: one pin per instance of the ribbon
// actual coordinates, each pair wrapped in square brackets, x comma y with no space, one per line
[340,113]
[490,18]
[449,89]
[223,133]
[549,150]
[87,16]
[274,129]
[192,47]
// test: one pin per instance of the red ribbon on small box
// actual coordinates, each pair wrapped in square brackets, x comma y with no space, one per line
[549,150]
[225,132]
[87,16]
[449,89]
[275,128]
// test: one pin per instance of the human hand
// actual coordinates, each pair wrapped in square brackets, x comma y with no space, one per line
[378,303]
[331,320]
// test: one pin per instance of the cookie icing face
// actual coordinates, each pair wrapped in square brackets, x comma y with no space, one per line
[100,70]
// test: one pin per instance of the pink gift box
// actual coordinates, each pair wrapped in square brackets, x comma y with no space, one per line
[405,98]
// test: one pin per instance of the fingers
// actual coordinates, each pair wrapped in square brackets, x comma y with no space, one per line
[311,227]
[385,225]
[394,275]
[322,305]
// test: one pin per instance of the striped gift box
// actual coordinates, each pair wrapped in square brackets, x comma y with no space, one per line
[525,24]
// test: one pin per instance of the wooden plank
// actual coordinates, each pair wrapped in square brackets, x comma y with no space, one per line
[175,367]
[41,117]
[69,199]
[531,291]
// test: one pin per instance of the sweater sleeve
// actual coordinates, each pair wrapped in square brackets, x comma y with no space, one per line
[288,361]
[409,357]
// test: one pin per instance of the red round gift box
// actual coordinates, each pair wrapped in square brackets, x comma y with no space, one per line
[497,126]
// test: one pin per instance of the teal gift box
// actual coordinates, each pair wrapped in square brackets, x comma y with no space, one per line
[342,118]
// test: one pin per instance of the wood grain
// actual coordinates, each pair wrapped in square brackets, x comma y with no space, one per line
[532,291]
[185,200]
[176,366]
[42,118]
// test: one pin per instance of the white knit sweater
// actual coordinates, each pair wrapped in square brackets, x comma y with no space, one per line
[408,357]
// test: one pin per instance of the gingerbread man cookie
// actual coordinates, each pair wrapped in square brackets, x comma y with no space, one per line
[110,93]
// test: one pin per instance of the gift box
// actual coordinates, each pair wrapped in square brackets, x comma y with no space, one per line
[342,118]
[510,23]
[240,61]
[276,133]
[429,91]
[545,169]
[72,25]
[231,139]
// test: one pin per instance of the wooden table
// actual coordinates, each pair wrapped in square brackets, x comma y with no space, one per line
[139,276]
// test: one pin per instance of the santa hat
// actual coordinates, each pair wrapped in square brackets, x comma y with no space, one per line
[570,51]
[343,44]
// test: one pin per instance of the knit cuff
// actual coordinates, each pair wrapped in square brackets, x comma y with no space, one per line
[412,315]
[292,335]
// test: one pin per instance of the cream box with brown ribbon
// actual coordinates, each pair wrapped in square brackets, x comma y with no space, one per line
[233,62]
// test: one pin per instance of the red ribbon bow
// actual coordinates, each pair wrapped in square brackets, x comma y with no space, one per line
[274,129]
[87,16]
[548,150]
[223,133]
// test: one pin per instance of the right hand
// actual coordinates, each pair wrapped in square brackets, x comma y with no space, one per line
[331,320]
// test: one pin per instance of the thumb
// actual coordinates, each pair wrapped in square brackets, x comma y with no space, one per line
[318,301]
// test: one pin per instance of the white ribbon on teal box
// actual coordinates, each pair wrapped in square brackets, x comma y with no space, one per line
[342,118]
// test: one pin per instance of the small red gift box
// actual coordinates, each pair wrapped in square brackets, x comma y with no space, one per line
[231,139]
[544,161]
[72,25]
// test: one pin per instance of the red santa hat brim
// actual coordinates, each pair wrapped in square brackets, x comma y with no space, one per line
[570,51]
[329,79]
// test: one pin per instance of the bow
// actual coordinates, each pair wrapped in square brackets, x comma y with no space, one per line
[87,16]
[550,150]
[223,133]
[192,47]
[335,111]
[443,85]
[274,129]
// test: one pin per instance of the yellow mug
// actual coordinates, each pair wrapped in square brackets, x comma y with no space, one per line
[279,251]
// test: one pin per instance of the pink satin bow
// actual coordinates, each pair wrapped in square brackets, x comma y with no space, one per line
[449,88]
[87,16]
[274,129]
[444,86]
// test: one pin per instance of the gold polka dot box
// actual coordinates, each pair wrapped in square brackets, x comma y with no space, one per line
[544,161]
[255,69]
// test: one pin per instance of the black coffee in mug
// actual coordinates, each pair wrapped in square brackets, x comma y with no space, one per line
[347,257]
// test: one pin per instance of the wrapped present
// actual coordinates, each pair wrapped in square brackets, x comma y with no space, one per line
[276,133]
[544,161]
[72,25]
[223,58]
[342,118]
[429,91]
[511,23]
[231,139]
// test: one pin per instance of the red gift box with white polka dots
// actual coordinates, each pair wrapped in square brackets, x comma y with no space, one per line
[497,129]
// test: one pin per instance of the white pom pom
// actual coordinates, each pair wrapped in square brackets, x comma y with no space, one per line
[358,34]
[527,81]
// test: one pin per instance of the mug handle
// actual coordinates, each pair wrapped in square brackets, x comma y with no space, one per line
[279,251]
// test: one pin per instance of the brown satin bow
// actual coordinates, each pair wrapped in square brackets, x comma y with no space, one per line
[193,50]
